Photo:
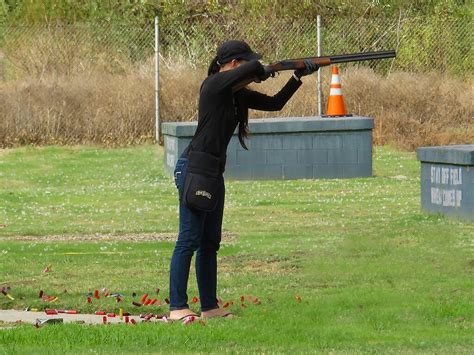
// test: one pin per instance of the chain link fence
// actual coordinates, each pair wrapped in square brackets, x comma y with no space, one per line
[95,82]
[37,50]
[76,83]
[422,44]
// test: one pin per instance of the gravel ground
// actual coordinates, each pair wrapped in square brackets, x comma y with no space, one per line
[227,238]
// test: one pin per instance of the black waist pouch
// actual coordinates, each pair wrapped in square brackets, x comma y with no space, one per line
[203,180]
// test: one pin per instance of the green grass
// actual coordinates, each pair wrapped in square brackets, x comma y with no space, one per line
[374,273]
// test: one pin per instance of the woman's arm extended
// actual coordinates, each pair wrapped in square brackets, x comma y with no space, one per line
[228,79]
[262,102]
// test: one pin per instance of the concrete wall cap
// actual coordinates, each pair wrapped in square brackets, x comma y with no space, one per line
[282,125]
[450,154]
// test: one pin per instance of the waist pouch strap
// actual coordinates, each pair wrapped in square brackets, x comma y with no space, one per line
[204,164]
[202,183]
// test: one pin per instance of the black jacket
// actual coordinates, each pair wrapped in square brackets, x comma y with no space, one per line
[220,110]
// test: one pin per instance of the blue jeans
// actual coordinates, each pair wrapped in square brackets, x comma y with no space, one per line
[199,231]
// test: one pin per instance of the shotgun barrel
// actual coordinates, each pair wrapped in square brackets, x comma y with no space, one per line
[292,64]
[357,57]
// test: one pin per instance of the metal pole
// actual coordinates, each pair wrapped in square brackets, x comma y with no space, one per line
[318,32]
[157,83]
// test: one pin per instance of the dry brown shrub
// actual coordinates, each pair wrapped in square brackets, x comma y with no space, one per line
[410,110]
[179,90]
[99,108]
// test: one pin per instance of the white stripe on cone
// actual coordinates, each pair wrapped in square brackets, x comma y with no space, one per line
[335,79]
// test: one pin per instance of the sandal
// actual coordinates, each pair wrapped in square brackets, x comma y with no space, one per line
[217,313]
[181,314]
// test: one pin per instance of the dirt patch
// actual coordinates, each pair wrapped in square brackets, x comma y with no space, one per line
[405,241]
[254,264]
[19,282]
[471,263]
[147,237]
[227,238]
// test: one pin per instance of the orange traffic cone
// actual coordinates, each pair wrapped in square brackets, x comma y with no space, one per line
[336,105]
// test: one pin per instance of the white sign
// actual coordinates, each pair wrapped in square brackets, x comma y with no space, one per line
[170,160]
[449,196]
[170,145]
[446,198]
[446,176]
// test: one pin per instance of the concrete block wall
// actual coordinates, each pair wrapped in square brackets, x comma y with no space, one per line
[289,148]
[447,180]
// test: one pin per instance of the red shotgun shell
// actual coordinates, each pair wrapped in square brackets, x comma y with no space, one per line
[100,313]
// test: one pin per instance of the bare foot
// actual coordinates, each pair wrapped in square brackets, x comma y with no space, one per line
[181,314]
[217,312]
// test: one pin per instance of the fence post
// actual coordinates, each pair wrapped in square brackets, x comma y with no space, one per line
[157,83]
[318,81]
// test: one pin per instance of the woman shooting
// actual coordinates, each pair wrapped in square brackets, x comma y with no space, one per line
[224,102]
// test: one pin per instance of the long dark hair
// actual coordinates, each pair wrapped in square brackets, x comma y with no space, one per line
[244,131]
[214,68]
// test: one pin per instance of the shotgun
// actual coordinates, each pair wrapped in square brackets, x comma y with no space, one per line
[293,64]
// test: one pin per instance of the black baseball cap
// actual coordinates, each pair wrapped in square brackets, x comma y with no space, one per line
[235,49]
